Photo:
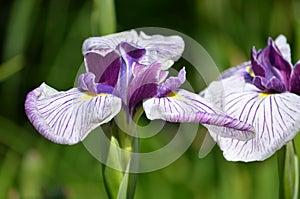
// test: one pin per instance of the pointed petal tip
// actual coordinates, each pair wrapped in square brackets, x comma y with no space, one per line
[231,128]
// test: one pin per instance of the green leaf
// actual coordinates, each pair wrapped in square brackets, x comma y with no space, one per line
[20,26]
[9,131]
[11,67]
[31,176]
[8,172]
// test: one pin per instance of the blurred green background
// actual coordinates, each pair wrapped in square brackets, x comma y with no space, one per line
[41,41]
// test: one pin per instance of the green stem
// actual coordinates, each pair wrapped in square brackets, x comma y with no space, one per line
[288,170]
[121,184]
[280,163]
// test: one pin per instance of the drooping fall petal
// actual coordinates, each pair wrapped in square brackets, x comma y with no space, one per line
[275,117]
[68,117]
[184,106]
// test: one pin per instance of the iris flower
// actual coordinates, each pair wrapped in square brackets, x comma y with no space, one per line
[264,92]
[124,71]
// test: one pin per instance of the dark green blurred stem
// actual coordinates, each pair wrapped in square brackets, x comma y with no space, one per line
[280,163]
[288,171]
[121,183]
[103,17]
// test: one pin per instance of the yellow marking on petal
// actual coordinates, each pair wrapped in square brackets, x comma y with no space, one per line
[262,95]
[174,95]
[91,95]
[171,94]
[250,71]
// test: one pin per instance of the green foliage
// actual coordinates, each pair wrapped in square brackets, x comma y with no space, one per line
[288,170]
[41,41]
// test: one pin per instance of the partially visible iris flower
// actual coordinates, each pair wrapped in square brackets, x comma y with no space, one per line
[264,92]
[123,71]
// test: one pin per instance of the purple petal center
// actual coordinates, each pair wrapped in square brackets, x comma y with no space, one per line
[106,68]
[295,79]
[272,71]
[87,82]
[171,84]
[144,84]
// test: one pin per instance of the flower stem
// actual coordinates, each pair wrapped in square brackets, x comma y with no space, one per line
[124,143]
[288,171]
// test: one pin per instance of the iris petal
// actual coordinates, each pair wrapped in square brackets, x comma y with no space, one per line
[275,117]
[144,84]
[240,69]
[295,79]
[68,117]
[163,49]
[105,68]
[108,43]
[184,106]
[283,47]
[281,64]
[171,83]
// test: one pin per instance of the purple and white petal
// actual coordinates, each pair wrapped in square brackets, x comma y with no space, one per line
[279,63]
[171,83]
[184,106]
[68,117]
[126,49]
[105,68]
[144,85]
[295,79]
[159,48]
[283,47]
[86,82]
[239,70]
[275,117]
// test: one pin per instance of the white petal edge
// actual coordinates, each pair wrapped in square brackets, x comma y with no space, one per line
[68,117]
[275,117]
[164,49]
[108,43]
[185,106]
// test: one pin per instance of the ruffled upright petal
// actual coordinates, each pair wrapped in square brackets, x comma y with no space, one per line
[279,62]
[283,47]
[68,117]
[108,43]
[184,106]
[163,49]
[149,49]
